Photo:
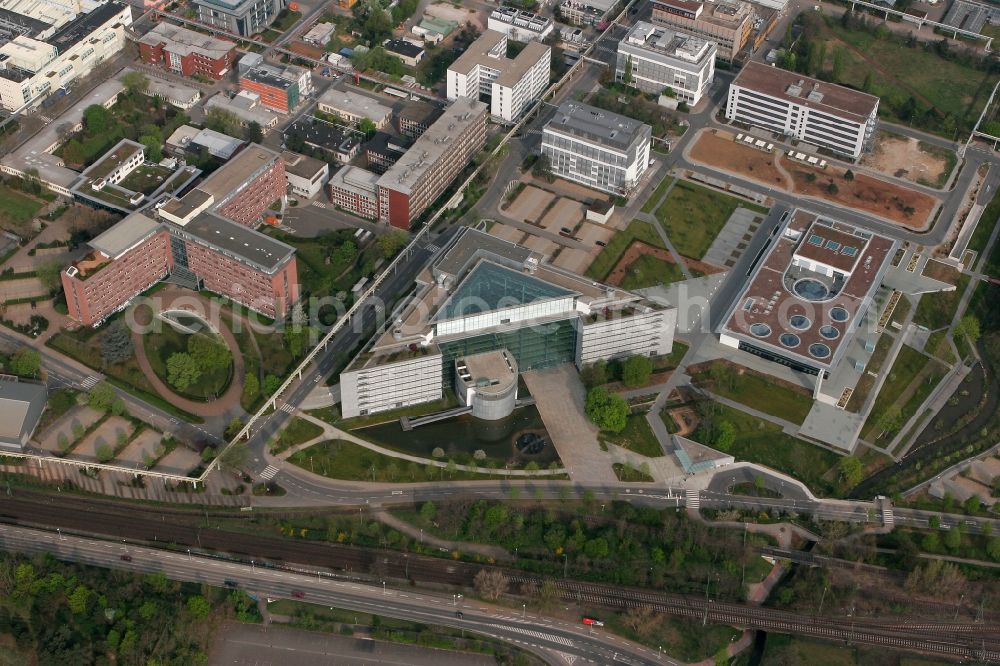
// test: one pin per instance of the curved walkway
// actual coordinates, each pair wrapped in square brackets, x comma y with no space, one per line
[224,403]
[330,432]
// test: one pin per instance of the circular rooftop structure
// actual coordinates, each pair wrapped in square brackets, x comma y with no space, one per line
[840,314]
[789,340]
[487,382]
[811,289]
[819,350]
[829,332]
[761,330]
[799,322]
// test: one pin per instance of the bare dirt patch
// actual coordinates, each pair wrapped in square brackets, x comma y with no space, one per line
[564,213]
[26,288]
[903,157]
[140,449]
[457,14]
[108,433]
[937,270]
[872,195]
[892,202]
[720,150]
[529,204]
[81,417]
[179,461]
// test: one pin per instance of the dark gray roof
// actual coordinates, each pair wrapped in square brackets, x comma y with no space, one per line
[21,406]
[403,47]
[600,126]
[235,240]
[471,244]
[82,26]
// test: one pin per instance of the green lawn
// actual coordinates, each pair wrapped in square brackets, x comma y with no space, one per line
[168,341]
[981,235]
[146,178]
[630,474]
[763,442]
[637,436]
[947,85]
[681,638]
[936,310]
[649,271]
[693,216]
[339,459]
[616,247]
[757,392]
[904,371]
[654,198]
[18,208]
[938,347]
[671,360]
[296,432]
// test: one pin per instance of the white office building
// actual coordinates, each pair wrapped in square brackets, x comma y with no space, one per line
[32,68]
[653,58]
[484,70]
[519,25]
[823,114]
[353,107]
[486,310]
[599,149]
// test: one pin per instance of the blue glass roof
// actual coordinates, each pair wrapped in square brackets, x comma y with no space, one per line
[490,287]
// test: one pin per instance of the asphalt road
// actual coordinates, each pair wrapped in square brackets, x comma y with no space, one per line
[251,645]
[542,635]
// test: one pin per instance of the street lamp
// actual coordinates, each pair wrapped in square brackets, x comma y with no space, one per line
[524,610]
[252,569]
[383,588]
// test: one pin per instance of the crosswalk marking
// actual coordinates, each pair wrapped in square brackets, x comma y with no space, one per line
[287,408]
[431,247]
[562,640]
[90,382]
[692,499]
[268,472]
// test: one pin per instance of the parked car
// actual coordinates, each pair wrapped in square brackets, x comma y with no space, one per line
[459,614]
[601,243]
[298,594]
[591,622]
[126,558]
[231,583]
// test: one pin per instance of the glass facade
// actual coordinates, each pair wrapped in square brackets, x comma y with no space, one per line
[534,347]
[492,287]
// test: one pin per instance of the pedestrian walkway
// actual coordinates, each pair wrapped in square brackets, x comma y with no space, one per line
[493,552]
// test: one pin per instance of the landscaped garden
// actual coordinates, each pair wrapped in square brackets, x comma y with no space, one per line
[693,215]
[754,390]
[910,381]
[749,438]
[612,253]
[637,436]
[18,209]
[650,271]
[196,365]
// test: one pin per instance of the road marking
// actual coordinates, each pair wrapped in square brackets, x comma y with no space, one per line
[431,247]
[269,472]
[90,382]
[692,499]
[562,640]
[287,408]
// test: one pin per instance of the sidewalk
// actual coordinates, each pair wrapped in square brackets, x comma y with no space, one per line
[493,552]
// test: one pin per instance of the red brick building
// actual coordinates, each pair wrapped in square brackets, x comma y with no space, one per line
[433,161]
[187,52]
[276,91]
[126,261]
[205,237]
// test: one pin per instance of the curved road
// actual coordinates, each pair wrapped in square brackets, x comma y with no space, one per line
[545,636]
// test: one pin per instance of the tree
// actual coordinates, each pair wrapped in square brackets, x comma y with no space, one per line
[428,511]
[104,452]
[993,548]
[233,428]
[102,396]
[49,273]
[636,371]
[542,168]
[116,344]
[869,83]
[851,470]
[953,539]
[235,458]
[968,326]
[223,121]
[97,119]
[25,362]
[391,243]
[271,384]
[182,371]
[209,353]
[669,92]
[607,410]
[199,607]
[78,600]
[136,83]
[725,435]
[254,132]
[848,175]
[153,146]
[367,127]
[594,374]
[973,504]
[251,389]
[839,61]
[890,421]
[832,188]
[491,584]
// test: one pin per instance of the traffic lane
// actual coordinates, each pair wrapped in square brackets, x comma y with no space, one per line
[324,589]
[251,645]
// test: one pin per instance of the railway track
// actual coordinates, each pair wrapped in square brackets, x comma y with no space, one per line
[179,528]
